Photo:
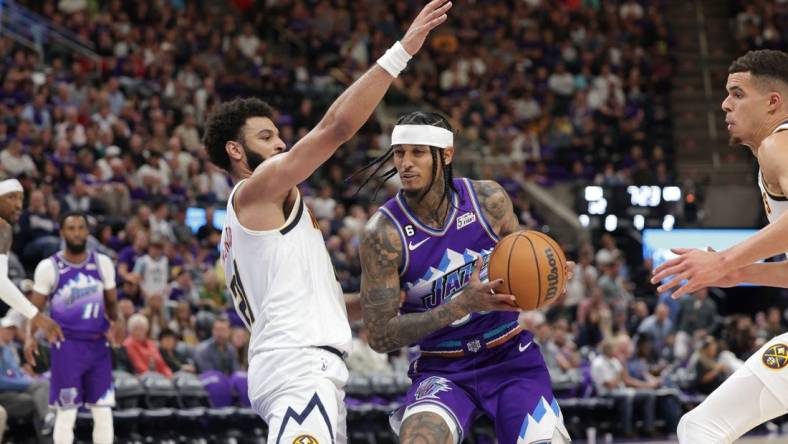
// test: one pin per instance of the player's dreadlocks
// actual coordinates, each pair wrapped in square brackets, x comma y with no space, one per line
[415,118]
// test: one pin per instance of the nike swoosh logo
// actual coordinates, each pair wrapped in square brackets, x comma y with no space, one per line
[524,347]
[412,246]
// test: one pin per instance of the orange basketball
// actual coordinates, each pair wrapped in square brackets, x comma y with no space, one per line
[532,266]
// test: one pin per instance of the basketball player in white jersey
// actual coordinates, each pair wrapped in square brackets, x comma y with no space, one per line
[756,112]
[275,260]
[11,198]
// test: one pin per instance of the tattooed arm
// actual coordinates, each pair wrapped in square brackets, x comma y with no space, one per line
[6,237]
[497,207]
[381,254]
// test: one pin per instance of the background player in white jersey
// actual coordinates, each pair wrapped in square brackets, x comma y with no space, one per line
[80,286]
[756,112]
[11,198]
[275,260]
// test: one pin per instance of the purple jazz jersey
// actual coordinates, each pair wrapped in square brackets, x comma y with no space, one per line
[493,376]
[78,298]
[82,364]
[437,264]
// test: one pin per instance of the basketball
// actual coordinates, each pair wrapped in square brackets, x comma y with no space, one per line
[532,266]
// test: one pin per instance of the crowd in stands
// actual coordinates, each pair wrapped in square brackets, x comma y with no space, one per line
[544,91]
[760,24]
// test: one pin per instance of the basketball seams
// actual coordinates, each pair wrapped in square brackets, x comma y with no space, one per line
[509,267]
[538,272]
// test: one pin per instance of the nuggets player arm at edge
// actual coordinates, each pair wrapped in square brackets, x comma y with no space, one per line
[381,254]
[43,280]
[275,177]
[773,238]
[497,207]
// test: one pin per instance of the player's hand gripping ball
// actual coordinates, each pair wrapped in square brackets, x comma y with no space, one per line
[533,268]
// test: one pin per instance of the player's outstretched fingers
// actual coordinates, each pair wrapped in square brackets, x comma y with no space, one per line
[666,272]
[673,283]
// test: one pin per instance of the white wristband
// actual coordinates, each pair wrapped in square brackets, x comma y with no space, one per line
[394,60]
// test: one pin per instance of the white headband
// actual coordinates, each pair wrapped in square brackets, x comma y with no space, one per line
[422,135]
[10,186]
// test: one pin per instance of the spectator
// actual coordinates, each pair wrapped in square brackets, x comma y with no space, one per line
[710,372]
[20,395]
[209,227]
[127,258]
[39,230]
[154,311]
[774,324]
[563,368]
[239,338]
[153,269]
[37,112]
[142,351]
[697,317]
[182,232]
[365,361]
[212,294]
[217,353]
[610,379]
[15,161]
[183,323]
[657,326]
[160,228]
[175,361]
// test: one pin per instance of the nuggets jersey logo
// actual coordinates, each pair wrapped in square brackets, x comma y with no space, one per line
[305,439]
[776,357]
[430,387]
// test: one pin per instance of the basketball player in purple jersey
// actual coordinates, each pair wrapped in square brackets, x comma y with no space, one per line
[81,287]
[11,198]
[428,241]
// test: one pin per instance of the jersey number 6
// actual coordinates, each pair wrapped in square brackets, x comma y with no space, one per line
[240,299]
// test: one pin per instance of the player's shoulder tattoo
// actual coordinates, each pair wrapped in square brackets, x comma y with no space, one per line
[6,236]
[381,247]
[496,203]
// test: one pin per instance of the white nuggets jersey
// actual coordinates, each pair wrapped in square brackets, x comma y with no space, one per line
[770,363]
[775,205]
[283,284]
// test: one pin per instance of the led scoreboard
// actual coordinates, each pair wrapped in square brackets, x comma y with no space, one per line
[628,206]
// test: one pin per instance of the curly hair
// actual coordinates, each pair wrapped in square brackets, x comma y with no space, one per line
[226,123]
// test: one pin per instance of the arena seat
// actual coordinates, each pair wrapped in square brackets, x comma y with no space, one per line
[157,424]
[219,388]
[190,390]
[358,386]
[240,383]
[159,391]
[126,424]
[128,390]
